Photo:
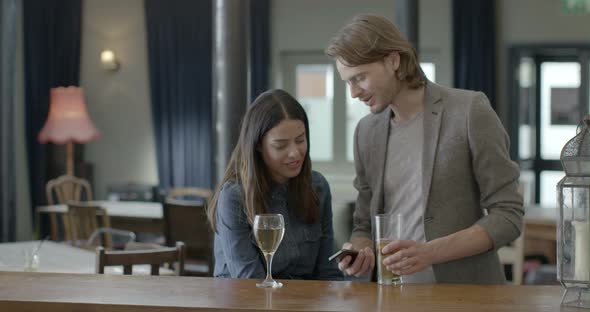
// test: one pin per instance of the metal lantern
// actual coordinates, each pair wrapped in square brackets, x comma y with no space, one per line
[573,229]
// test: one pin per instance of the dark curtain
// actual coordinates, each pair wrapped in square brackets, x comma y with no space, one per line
[474,46]
[179,36]
[52,31]
[259,46]
[7,132]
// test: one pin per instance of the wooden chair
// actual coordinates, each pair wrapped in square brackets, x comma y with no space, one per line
[513,254]
[187,221]
[62,190]
[153,257]
[81,222]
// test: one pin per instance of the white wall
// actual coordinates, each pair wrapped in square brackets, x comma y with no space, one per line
[307,25]
[436,38]
[530,21]
[118,102]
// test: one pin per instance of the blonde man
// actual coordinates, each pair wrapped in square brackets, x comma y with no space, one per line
[437,155]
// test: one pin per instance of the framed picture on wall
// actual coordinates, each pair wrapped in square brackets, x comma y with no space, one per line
[565,108]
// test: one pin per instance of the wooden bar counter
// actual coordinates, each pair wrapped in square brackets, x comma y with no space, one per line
[50,292]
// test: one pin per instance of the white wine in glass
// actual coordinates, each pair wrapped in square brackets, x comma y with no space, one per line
[269,230]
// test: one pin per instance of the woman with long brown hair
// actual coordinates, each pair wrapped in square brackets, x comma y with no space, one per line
[270,172]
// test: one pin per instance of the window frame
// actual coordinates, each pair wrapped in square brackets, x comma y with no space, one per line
[541,54]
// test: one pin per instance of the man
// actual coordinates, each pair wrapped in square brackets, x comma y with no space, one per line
[437,155]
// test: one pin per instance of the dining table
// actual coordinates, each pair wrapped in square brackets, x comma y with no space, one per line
[47,292]
[136,216]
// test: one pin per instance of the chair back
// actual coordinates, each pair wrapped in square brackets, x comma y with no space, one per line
[66,188]
[82,220]
[187,221]
[513,254]
[59,191]
[154,257]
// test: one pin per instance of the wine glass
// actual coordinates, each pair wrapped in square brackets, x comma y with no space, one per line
[268,231]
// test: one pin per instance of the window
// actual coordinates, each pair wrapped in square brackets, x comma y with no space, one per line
[549,98]
[313,79]
[429,70]
[315,91]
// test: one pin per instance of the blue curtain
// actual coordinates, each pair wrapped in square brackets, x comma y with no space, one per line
[474,46]
[179,36]
[52,30]
[7,108]
[259,46]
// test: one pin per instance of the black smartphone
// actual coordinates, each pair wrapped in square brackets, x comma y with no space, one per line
[340,254]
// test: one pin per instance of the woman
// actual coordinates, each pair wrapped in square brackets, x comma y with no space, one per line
[270,172]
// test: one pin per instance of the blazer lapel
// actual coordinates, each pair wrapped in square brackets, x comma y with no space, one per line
[433,110]
[379,150]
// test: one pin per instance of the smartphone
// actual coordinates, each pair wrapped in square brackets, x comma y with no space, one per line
[340,254]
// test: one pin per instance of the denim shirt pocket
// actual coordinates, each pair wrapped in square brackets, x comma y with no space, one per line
[310,246]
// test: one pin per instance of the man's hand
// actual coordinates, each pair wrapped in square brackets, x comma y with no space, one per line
[364,262]
[408,256]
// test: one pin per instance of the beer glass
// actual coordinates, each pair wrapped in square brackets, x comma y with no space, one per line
[388,228]
[268,231]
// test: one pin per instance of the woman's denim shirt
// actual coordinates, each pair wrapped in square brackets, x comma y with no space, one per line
[304,251]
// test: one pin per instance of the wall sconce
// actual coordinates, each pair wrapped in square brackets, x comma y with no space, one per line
[109,60]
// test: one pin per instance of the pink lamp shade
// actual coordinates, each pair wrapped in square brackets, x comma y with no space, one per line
[68,119]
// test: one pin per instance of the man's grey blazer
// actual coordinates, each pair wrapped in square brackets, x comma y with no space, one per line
[468,178]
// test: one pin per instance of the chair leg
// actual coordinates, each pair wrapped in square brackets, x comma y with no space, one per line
[53,225]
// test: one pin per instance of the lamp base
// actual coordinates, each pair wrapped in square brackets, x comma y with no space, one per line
[578,297]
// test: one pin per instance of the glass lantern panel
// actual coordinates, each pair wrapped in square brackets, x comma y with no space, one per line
[579,165]
[573,250]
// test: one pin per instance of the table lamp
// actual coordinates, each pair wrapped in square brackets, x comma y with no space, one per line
[68,122]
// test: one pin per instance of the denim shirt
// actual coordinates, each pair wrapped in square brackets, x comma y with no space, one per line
[304,251]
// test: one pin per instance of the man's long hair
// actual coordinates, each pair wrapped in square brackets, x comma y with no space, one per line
[371,38]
